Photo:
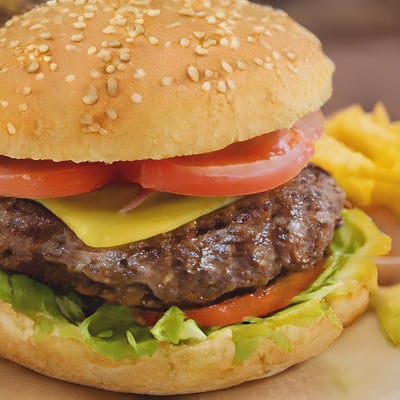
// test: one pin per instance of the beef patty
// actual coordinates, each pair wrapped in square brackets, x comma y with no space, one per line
[243,245]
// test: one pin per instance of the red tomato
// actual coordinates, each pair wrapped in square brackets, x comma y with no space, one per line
[264,301]
[256,165]
[41,179]
[253,166]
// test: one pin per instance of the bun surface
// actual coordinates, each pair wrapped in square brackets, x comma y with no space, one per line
[119,80]
[207,365]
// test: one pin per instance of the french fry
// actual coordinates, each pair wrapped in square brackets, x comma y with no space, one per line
[362,151]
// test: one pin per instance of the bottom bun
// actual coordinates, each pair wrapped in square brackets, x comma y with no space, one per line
[203,366]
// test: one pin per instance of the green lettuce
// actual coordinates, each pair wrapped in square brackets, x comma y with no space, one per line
[116,331]
[386,302]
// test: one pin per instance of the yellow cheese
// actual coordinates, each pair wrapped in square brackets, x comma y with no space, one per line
[96,218]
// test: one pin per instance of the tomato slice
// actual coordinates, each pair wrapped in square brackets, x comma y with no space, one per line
[257,165]
[261,303]
[41,179]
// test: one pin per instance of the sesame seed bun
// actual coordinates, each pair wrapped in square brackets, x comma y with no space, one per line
[204,366]
[113,80]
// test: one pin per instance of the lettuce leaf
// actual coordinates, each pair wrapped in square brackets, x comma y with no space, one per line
[116,332]
[386,302]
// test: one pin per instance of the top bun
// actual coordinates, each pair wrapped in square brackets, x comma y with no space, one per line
[110,80]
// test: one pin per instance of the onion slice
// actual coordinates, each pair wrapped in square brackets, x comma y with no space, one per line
[139,199]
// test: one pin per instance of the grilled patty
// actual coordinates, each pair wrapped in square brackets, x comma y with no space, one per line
[241,246]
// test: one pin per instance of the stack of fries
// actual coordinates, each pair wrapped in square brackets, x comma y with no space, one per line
[362,151]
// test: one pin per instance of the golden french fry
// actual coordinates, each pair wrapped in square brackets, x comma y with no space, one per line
[362,151]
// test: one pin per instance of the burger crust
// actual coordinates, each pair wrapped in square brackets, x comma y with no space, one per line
[204,366]
[120,81]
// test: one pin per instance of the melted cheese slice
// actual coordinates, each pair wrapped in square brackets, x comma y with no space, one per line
[96,218]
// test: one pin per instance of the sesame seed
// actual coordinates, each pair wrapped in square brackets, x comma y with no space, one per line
[221,87]
[226,66]
[231,84]
[235,44]
[206,86]
[211,19]
[268,66]
[199,35]
[78,37]
[4,104]
[278,27]
[70,78]
[258,61]
[140,73]
[184,42]
[109,30]
[112,114]
[258,29]
[276,55]
[46,35]
[173,25]
[208,73]
[92,96]
[36,27]
[136,98]
[71,47]
[153,40]
[292,68]
[291,55]
[53,67]
[94,128]
[168,43]
[80,25]
[223,41]
[153,13]
[115,44]
[193,73]
[139,30]
[33,67]
[167,81]
[14,44]
[201,51]
[40,76]
[27,90]
[251,39]
[112,87]
[23,107]
[92,50]
[241,65]
[124,56]
[11,128]
[121,21]
[95,74]
[87,120]
[47,59]
[104,55]
[110,69]
[91,7]
[89,15]
[210,42]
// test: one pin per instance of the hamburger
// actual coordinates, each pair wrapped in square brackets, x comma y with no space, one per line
[161,229]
